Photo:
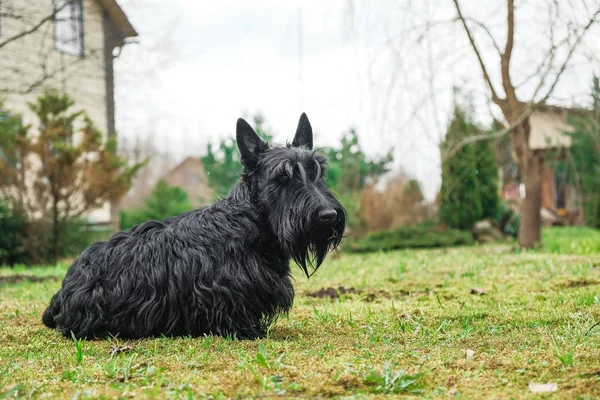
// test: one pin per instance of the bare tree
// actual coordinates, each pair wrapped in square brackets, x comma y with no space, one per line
[517,112]
[426,43]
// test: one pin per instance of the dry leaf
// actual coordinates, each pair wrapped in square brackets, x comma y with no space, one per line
[477,291]
[543,387]
[405,316]
[470,353]
[451,381]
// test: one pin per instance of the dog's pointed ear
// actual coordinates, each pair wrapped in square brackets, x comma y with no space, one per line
[304,135]
[249,143]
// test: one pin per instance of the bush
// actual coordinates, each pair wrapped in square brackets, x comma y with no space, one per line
[12,230]
[425,235]
[469,189]
[64,170]
[355,225]
[401,203]
[76,238]
[27,242]
[350,169]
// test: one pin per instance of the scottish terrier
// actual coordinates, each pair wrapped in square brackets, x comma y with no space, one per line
[223,269]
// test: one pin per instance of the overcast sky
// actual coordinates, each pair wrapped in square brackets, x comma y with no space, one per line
[200,65]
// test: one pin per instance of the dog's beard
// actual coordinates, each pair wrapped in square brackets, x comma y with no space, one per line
[309,247]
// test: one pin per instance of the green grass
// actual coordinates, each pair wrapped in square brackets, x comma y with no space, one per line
[572,240]
[403,331]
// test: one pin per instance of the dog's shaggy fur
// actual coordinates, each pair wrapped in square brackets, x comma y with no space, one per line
[222,269]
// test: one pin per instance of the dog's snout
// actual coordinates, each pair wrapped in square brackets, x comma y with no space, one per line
[328,216]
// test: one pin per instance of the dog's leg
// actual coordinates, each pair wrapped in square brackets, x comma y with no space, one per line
[52,310]
[249,333]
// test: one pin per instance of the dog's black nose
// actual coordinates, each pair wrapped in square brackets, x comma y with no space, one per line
[328,216]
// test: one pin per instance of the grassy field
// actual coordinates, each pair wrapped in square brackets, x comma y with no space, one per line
[402,323]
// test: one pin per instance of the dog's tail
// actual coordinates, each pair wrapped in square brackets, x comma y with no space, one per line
[52,311]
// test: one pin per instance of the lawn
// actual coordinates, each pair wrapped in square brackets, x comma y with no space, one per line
[367,325]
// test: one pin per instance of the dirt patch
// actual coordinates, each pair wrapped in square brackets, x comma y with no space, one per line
[12,279]
[578,284]
[372,296]
[366,295]
[332,293]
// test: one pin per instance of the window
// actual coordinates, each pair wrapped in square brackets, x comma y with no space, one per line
[68,26]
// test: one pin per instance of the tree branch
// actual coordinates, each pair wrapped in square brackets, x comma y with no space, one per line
[479,138]
[569,55]
[509,88]
[34,28]
[548,62]
[488,32]
[486,76]
[48,75]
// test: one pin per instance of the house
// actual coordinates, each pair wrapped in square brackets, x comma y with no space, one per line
[188,175]
[561,201]
[69,45]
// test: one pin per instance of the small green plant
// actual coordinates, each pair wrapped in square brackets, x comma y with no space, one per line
[321,316]
[261,359]
[261,379]
[466,331]
[111,370]
[207,342]
[388,381]
[127,367]
[122,369]
[564,351]
[566,343]
[78,349]
[69,375]
[261,356]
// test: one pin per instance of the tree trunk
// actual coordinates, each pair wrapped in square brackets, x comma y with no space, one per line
[531,222]
[531,165]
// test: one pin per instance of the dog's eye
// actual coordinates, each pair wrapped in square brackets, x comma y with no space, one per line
[322,171]
[319,169]
[284,178]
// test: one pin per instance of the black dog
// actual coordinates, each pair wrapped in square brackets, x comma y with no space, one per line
[223,269]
